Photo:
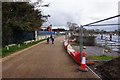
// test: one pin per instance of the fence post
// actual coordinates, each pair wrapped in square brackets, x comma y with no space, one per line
[81,41]
[35,35]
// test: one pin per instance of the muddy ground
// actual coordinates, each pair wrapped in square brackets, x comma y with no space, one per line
[107,70]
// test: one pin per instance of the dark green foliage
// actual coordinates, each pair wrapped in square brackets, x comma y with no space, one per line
[18,17]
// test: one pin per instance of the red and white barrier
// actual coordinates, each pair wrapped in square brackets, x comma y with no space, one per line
[66,43]
[75,55]
[73,40]
[70,49]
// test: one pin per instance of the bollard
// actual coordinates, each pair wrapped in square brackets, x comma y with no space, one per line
[7,47]
[18,45]
[83,62]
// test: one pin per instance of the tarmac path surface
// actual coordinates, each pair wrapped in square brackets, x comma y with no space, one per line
[44,61]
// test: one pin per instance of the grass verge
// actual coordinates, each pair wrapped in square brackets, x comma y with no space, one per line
[15,48]
[103,57]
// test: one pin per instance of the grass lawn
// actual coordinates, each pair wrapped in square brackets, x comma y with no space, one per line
[103,57]
[15,48]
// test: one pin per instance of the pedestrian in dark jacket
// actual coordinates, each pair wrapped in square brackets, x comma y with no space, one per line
[52,40]
[51,36]
[110,37]
[48,40]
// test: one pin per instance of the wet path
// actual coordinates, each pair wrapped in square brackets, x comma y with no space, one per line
[44,61]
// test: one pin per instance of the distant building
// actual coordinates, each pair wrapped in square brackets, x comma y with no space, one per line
[49,28]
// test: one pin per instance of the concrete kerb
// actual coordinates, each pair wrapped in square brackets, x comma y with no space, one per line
[18,52]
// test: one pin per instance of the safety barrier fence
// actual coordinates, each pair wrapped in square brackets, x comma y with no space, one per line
[76,55]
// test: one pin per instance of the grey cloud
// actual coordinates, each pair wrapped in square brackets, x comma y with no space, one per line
[81,11]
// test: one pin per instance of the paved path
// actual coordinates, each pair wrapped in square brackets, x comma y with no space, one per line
[98,51]
[44,61]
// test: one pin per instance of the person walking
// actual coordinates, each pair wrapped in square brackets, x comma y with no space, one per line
[110,36]
[52,40]
[48,40]
[51,36]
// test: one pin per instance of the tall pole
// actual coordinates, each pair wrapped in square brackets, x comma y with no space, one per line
[68,36]
[81,41]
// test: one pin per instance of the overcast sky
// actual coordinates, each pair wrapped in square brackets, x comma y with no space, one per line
[81,12]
